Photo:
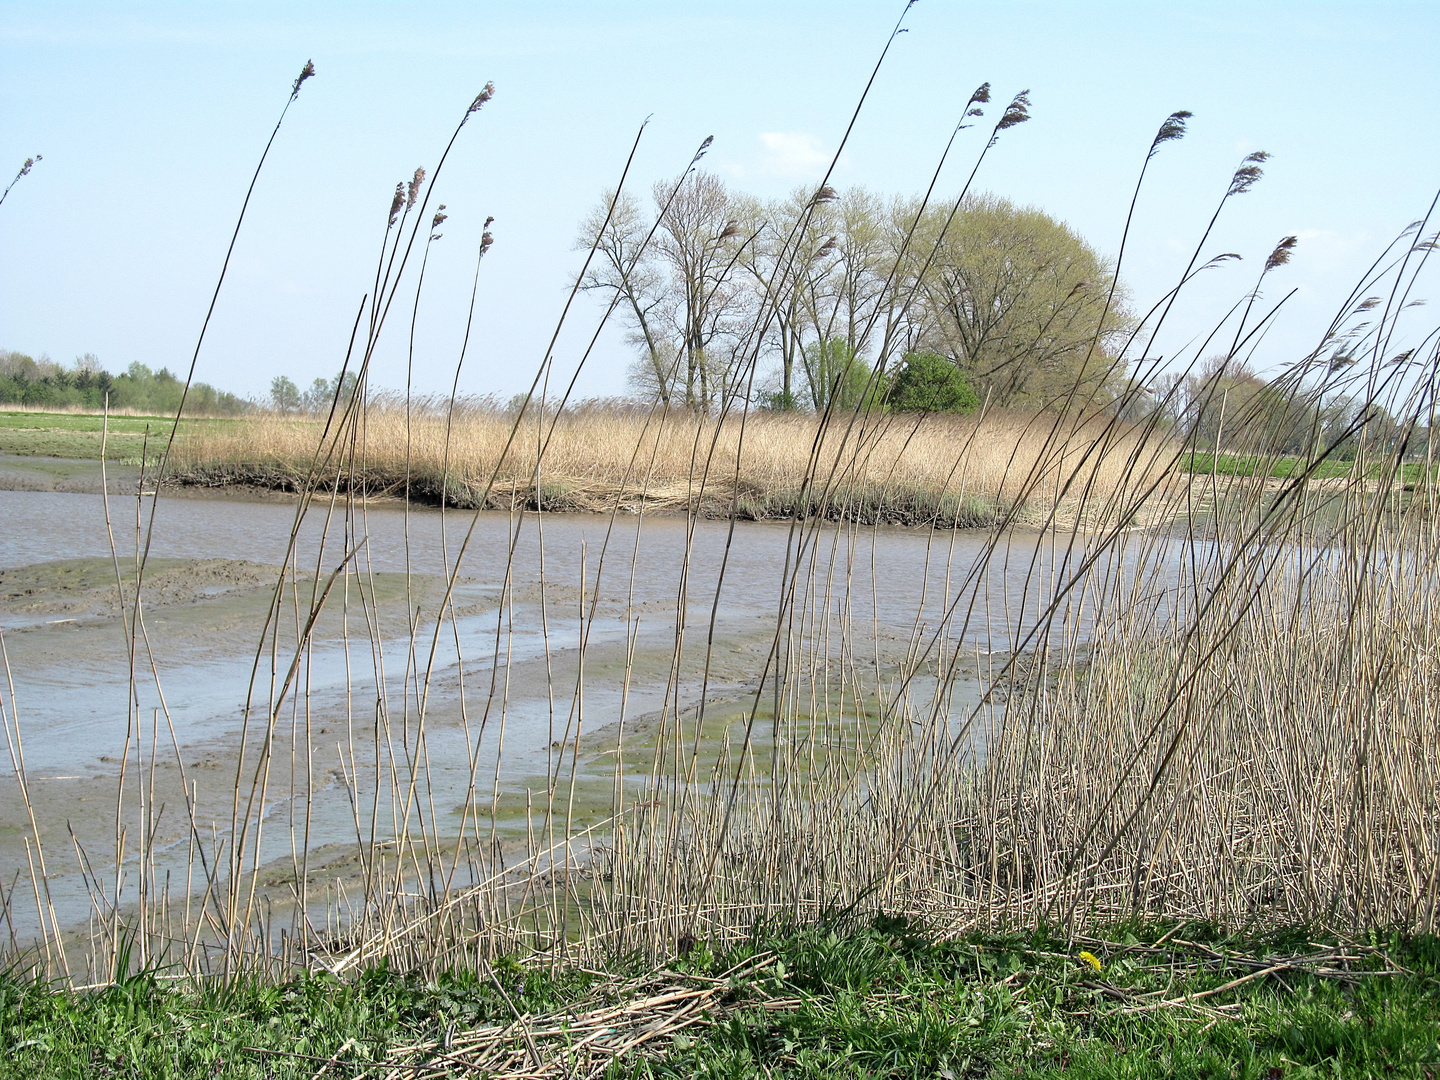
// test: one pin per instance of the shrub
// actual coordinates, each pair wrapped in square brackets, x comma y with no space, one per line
[927,382]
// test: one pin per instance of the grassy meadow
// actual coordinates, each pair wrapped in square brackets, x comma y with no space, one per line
[80,434]
[1285,466]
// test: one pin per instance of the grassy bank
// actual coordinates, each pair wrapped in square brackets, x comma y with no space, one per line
[884,1000]
[1285,466]
[75,434]
[897,468]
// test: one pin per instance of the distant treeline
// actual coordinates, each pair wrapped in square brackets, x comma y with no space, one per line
[43,383]
[286,397]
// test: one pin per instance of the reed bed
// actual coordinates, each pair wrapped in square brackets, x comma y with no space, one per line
[79,410]
[913,469]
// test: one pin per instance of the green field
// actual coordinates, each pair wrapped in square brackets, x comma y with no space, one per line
[1286,466]
[883,1000]
[78,435]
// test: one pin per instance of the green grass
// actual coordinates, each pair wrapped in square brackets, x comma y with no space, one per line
[1287,465]
[1281,467]
[78,435]
[877,1001]
[144,1028]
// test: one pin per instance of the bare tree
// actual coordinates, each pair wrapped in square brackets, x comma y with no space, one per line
[699,243]
[627,271]
[861,269]
[790,265]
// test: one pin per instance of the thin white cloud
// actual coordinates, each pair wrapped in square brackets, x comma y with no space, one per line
[792,154]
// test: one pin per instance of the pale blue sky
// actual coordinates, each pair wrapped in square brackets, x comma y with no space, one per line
[150,117]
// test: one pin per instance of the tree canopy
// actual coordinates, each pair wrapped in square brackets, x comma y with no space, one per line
[711,282]
[1015,299]
[43,383]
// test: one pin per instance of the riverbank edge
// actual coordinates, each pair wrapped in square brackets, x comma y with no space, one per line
[715,499]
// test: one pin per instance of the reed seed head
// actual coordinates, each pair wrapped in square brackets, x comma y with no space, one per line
[1017,112]
[1248,174]
[396,202]
[480,99]
[412,190]
[306,72]
[972,107]
[1173,128]
[1222,258]
[1281,255]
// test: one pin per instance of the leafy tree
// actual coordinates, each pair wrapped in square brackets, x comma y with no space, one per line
[86,384]
[318,397]
[323,393]
[1015,299]
[841,380]
[927,382]
[284,395]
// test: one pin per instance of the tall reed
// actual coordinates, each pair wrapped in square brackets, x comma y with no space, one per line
[1211,697]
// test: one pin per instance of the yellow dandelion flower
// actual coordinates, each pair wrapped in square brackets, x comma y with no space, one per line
[1091,959]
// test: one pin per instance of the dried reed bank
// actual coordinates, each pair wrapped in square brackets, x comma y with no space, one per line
[906,469]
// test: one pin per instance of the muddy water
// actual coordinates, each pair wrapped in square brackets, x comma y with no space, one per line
[504,667]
